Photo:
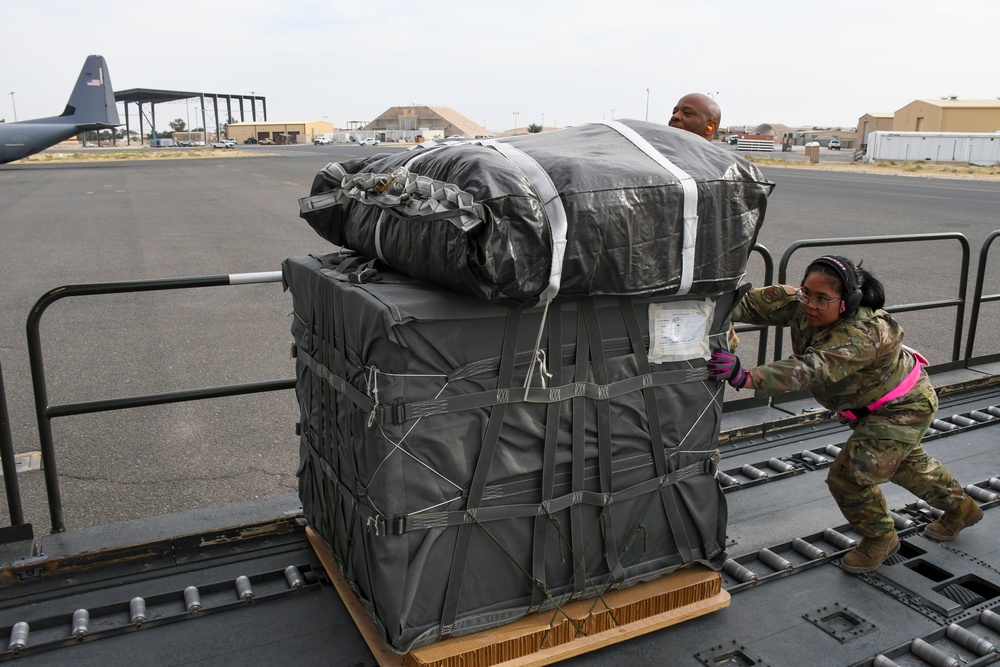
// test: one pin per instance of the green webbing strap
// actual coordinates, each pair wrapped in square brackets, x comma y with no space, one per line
[318,394]
[336,382]
[449,610]
[398,525]
[330,356]
[539,591]
[605,463]
[667,495]
[353,269]
[578,465]
[403,412]
[319,202]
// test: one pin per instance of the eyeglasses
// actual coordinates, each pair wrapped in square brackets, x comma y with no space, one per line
[817,302]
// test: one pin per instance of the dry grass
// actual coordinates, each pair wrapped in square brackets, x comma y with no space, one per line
[927,169]
[100,155]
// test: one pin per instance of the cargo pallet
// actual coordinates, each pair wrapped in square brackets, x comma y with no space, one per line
[546,637]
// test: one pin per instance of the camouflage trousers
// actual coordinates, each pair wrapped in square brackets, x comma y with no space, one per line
[864,463]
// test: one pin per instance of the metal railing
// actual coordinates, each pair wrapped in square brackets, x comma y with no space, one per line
[764,329]
[977,296]
[45,412]
[958,302]
[7,460]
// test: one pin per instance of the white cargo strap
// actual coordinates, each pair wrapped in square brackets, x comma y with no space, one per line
[378,238]
[690,190]
[551,202]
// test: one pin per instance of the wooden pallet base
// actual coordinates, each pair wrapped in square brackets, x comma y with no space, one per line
[547,637]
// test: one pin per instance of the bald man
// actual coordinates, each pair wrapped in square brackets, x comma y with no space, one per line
[697,113]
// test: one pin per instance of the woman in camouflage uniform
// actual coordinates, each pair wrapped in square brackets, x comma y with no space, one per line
[850,355]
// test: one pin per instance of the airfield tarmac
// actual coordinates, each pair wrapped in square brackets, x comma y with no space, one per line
[63,224]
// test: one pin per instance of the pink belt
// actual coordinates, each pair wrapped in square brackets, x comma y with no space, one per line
[901,389]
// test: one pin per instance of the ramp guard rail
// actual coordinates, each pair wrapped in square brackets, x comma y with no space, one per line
[958,302]
[977,295]
[45,412]
[768,260]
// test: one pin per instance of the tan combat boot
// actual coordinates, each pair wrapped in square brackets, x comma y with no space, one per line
[951,524]
[868,555]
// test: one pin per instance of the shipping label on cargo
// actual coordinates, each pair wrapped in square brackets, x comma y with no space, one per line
[679,330]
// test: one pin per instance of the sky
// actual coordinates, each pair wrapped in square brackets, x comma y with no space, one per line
[512,63]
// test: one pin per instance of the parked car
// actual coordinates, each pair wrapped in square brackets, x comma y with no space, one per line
[733,139]
[368,142]
[834,144]
[321,141]
[250,141]
[225,143]
[266,142]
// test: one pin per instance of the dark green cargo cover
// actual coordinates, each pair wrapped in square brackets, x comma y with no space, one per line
[468,463]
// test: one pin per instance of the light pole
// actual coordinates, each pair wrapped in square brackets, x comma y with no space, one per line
[613,113]
[13,105]
[515,123]
[647,104]
[543,122]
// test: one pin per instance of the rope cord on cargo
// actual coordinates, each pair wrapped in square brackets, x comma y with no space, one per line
[398,446]
[539,585]
[538,353]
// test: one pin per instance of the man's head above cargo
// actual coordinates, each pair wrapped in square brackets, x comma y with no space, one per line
[697,113]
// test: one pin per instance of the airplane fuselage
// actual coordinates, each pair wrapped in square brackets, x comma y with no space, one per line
[19,140]
[91,107]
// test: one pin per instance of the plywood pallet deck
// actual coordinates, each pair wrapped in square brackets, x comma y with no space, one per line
[547,637]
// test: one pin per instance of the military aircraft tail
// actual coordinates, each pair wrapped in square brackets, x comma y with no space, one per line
[91,107]
[93,99]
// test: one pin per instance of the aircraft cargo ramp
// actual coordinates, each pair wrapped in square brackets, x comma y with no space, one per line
[791,604]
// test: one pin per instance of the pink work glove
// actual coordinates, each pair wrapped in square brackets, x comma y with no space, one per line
[726,366]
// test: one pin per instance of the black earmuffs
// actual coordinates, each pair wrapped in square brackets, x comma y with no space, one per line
[851,299]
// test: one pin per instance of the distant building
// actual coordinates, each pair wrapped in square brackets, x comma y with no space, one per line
[948,115]
[299,132]
[405,123]
[873,122]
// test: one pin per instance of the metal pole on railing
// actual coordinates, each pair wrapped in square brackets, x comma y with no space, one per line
[7,459]
[977,295]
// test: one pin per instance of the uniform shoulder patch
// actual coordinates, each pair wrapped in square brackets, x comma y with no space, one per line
[776,293]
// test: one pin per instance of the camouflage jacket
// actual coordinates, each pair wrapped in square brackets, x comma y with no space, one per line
[850,364]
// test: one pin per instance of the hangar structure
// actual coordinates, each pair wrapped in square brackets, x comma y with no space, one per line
[404,123]
[244,105]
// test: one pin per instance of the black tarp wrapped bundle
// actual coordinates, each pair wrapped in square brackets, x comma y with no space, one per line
[616,208]
[468,463]
[549,434]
